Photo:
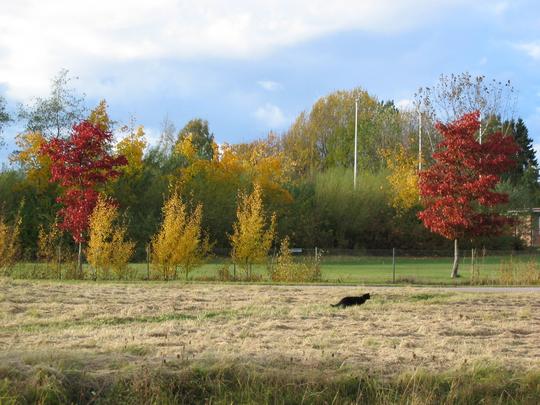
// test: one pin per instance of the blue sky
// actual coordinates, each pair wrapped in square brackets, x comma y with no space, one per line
[249,67]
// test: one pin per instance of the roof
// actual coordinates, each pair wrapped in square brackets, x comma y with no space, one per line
[525,211]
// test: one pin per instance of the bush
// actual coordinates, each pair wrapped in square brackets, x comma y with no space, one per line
[224,273]
[9,245]
[286,270]
[49,250]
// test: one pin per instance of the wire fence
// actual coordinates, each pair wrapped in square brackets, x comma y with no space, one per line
[383,266]
[353,254]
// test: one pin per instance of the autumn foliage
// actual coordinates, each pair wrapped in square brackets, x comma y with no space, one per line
[304,175]
[180,241]
[458,190]
[30,157]
[132,146]
[108,249]
[252,234]
[49,250]
[9,244]
[403,177]
[286,269]
[80,164]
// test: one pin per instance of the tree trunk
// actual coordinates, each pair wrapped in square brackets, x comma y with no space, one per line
[79,261]
[456,260]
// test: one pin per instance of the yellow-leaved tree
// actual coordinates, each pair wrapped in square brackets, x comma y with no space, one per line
[108,251]
[252,237]
[132,146]
[100,118]
[49,248]
[9,244]
[180,241]
[36,164]
[186,148]
[403,177]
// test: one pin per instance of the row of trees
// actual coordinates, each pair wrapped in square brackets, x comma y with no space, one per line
[181,244]
[82,165]
[304,175]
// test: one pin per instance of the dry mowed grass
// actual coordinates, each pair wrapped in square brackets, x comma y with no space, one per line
[270,326]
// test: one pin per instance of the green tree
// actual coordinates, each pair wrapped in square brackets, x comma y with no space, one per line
[55,116]
[196,130]
[324,138]
[4,118]
[39,206]
[141,191]
[352,218]
[526,169]
[215,184]
[521,181]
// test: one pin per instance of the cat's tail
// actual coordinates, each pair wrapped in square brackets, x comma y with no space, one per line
[334,305]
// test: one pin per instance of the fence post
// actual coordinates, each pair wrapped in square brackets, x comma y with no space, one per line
[393,265]
[473,275]
[59,263]
[148,262]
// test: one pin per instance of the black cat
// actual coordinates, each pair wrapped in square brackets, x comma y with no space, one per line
[349,301]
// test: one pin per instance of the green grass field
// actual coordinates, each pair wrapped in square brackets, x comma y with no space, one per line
[416,270]
[367,270]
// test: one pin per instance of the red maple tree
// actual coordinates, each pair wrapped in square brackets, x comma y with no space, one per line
[458,190]
[80,164]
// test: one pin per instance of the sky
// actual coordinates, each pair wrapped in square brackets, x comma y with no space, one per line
[250,66]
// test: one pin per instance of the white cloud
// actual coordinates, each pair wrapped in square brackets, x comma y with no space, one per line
[93,38]
[530,48]
[153,135]
[271,116]
[269,85]
[405,104]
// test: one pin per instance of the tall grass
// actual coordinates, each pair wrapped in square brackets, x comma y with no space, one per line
[175,382]
[512,272]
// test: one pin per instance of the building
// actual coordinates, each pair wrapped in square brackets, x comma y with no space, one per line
[527,226]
